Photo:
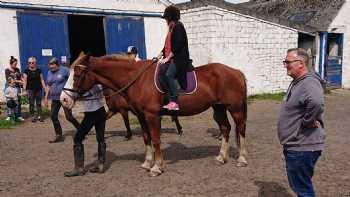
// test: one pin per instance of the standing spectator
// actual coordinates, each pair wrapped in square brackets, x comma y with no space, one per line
[300,124]
[33,86]
[15,74]
[132,52]
[57,77]
[11,95]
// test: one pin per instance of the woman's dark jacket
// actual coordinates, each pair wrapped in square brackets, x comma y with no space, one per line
[179,47]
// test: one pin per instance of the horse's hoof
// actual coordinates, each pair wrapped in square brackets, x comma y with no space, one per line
[154,174]
[146,165]
[155,171]
[220,159]
[241,162]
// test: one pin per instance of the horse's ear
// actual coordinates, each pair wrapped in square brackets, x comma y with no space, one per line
[79,59]
[81,54]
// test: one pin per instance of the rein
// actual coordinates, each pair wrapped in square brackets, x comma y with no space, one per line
[132,81]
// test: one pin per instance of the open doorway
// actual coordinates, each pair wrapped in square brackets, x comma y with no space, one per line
[334,58]
[307,42]
[86,33]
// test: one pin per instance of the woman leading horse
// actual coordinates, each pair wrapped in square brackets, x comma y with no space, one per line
[219,86]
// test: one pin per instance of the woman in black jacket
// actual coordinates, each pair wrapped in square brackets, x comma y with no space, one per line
[175,55]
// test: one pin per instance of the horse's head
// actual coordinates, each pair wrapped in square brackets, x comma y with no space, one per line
[81,81]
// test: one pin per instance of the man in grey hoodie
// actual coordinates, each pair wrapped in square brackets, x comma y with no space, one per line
[300,123]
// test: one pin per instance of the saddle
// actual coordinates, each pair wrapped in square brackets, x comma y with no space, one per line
[190,77]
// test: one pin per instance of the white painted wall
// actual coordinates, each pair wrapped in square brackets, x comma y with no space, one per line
[342,25]
[254,46]
[155,32]
[8,43]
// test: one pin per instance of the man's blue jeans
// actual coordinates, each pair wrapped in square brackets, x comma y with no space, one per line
[300,169]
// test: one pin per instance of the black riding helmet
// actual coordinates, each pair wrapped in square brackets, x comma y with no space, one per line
[171,13]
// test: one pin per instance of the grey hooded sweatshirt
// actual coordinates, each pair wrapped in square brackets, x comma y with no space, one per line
[301,106]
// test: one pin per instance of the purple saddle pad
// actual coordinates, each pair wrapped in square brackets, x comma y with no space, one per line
[190,77]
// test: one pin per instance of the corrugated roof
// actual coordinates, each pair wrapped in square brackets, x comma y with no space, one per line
[315,13]
[304,15]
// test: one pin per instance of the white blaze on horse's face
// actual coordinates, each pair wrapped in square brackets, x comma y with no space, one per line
[66,97]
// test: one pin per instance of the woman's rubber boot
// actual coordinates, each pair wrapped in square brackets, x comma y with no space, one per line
[78,162]
[100,165]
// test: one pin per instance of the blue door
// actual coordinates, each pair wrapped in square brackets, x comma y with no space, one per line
[333,66]
[122,32]
[43,36]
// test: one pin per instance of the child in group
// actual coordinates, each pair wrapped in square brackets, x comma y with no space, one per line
[11,94]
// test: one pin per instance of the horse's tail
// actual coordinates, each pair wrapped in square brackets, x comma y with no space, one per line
[245,98]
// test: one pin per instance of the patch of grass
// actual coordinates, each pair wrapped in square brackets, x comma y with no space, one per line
[267,96]
[134,121]
[4,124]
[45,112]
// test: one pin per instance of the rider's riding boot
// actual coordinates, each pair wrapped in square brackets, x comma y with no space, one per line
[100,165]
[78,161]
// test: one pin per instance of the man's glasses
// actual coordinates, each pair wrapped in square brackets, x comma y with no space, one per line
[31,62]
[287,62]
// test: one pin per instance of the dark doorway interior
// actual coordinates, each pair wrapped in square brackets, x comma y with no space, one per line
[86,33]
[307,42]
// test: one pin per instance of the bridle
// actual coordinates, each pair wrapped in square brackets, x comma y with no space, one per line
[81,78]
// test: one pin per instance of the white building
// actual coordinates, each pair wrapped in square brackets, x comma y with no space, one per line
[62,28]
[255,36]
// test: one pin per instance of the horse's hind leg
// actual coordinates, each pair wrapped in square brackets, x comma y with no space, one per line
[240,121]
[177,123]
[221,119]
[125,116]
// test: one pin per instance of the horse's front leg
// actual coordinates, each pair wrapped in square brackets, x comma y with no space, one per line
[153,122]
[149,153]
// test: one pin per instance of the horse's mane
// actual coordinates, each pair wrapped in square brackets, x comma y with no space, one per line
[117,57]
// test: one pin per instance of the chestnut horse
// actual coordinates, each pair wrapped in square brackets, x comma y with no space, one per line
[219,86]
[117,103]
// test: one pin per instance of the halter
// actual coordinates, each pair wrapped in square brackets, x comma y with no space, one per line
[80,80]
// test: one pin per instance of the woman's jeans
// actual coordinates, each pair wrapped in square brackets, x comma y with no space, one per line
[34,97]
[171,83]
[300,169]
